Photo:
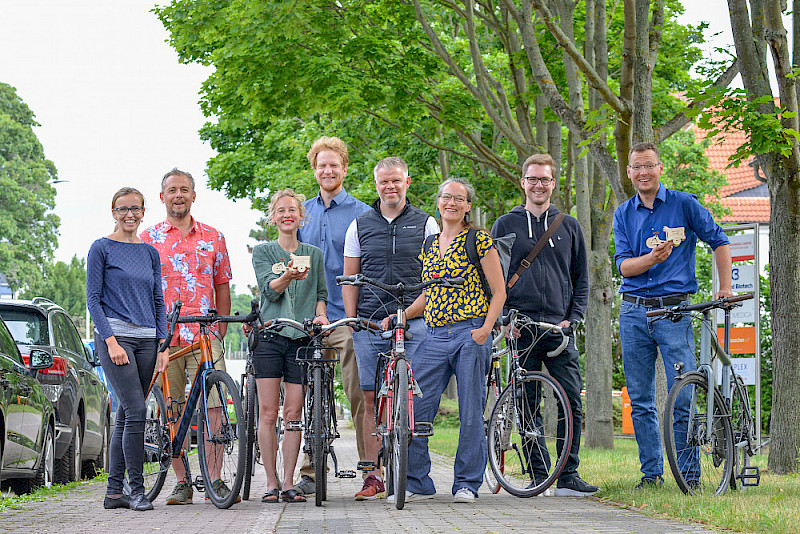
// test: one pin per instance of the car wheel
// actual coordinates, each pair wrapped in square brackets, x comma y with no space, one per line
[68,468]
[92,468]
[44,475]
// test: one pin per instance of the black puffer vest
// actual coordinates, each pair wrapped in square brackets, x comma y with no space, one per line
[389,253]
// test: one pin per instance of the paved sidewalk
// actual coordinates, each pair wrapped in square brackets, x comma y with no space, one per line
[81,510]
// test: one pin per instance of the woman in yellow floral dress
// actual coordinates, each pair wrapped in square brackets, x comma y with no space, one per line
[459,322]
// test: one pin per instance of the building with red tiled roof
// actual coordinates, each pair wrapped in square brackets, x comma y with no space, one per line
[746,196]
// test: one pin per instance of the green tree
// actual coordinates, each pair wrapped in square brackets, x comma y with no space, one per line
[478,86]
[64,284]
[28,230]
[773,134]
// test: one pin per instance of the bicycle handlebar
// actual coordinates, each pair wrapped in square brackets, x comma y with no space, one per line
[175,317]
[360,280]
[312,329]
[565,333]
[700,306]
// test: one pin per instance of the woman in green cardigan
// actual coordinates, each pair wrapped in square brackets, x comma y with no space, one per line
[291,277]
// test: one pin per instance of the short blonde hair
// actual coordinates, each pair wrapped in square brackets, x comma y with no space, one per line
[328,143]
[540,159]
[277,195]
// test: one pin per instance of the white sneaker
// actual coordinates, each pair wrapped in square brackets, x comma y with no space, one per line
[464,495]
[546,493]
[409,497]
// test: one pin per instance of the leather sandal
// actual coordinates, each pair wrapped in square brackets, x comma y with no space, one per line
[271,496]
[292,495]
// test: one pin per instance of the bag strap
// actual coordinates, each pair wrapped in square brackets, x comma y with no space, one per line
[525,263]
[471,244]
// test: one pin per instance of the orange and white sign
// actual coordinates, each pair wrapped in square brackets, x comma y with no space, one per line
[742,247]
[743,339]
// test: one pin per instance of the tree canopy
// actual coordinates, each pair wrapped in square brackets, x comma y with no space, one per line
[28,228]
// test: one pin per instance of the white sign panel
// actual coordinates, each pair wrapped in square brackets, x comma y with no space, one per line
[746,313]
[742,247]
[743,278]
[744,367]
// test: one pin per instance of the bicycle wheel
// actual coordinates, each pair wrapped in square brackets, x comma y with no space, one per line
[492,394]
[531,420]
[221,439]
[157,445]
[250,422]
[318,436]
[744,431]
[400,434]
[700,463]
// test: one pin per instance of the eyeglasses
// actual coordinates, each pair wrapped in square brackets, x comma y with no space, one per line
[136,210]
[649,167]
[533,179]
[459,199]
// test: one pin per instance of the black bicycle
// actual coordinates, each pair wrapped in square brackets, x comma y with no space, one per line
[320,402]
[531,419]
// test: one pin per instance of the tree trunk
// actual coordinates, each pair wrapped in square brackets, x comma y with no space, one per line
[784,257]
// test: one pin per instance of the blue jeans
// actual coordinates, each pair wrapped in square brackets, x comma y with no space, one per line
[130,382]
[367,346]
[450,350]
[641,336]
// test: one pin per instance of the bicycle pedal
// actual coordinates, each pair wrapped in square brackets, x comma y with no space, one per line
[199,483]
[750,473]
[366,465]
[346,473]
[416,390]
[423,429]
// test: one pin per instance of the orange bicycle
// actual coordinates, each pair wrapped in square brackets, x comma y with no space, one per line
[220,423]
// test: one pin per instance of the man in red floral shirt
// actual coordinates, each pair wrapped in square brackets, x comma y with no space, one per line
[196,270]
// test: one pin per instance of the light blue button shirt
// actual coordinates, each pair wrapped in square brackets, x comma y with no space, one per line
[325,228]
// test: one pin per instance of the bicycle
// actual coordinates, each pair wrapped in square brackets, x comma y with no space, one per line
[320,411]
[219,443]
[719,429]
[494,385]
[531,417]
[395,389]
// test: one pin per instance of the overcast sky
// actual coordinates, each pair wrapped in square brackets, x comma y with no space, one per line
[117,109]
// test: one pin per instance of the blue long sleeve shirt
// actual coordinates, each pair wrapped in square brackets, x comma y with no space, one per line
[681,213]
[325,228]
[123,281]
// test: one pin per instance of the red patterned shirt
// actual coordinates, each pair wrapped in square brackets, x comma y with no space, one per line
[190,268]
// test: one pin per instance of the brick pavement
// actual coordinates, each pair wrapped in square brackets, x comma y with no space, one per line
[81,510]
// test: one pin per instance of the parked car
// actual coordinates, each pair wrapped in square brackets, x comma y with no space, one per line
[101,374]
[80,399]
[27,420]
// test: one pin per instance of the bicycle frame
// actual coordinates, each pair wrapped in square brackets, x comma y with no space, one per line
[198,388]
[385,400]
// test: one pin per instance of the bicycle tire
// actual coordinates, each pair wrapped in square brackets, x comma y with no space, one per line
[157,445]
[250,418]
[531,418]
[715,455]
[743,428]
[228,449]
[318,437]
[400,433]
[493,388]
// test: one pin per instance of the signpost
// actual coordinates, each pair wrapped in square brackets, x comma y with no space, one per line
[745,338]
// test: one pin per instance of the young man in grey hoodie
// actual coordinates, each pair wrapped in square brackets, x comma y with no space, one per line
[554,289]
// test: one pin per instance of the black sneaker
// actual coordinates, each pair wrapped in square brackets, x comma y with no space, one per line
[650,482]
[575,487]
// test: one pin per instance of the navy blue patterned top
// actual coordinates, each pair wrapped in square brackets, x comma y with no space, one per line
[123,281]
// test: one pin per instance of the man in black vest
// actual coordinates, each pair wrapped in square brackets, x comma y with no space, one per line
[383,243]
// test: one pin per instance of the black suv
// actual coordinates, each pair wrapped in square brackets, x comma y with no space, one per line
[80,399]
[27,423]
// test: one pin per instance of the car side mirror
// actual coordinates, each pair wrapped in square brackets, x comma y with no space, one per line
[40,359]
[91,357]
